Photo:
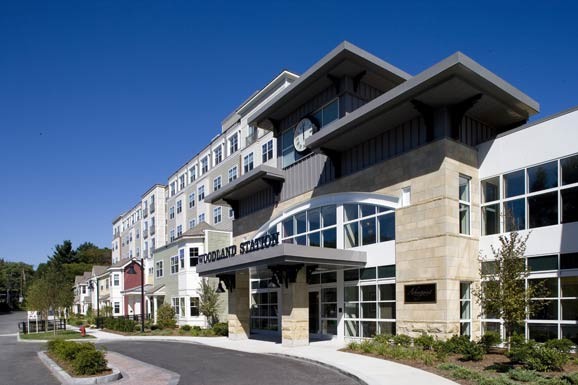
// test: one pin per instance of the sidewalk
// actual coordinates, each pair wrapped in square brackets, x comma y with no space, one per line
[372,371]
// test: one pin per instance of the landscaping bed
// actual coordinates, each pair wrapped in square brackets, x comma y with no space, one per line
[78,359]
[471,363]
[48,336]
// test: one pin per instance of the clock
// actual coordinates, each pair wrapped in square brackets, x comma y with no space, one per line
[303,130]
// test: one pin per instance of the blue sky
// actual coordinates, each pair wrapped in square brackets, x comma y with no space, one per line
[101,99]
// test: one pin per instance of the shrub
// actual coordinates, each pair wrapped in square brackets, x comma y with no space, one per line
[166,317]
[425,341]
[186,328]
[472,352]
[448,366]
[490,339]
[68,350]
[523,375]
[563,345]
[383,338]
[89,362]
[499,380]
[221,329]
[571,378]
[402,340]
[543,359]
[462,373]
[154,327]
[353,346]
[78,322]
[457,344]
[520,351]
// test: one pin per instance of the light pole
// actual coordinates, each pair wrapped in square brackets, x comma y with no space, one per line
[131,270]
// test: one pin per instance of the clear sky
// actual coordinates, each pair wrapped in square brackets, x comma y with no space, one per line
[99,100]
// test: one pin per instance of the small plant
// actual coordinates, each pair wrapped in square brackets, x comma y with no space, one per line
[166,317]
[472,352]
[448,366]
[353,346]
[186,328]
[402,340]
[221,329]
[523,375]
[563,345]
[89,362]
[462,373]
[543,359]
[425,341]
[457,344]
[571,378]
[490,339]
[383,338]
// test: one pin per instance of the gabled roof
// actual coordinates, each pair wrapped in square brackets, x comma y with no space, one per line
[197,231]
[98,270]
[120,264]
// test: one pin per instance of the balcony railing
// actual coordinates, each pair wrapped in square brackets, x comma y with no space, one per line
[251,138]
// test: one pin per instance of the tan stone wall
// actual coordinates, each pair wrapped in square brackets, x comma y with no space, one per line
[295,312]
[429,247]
[239,307]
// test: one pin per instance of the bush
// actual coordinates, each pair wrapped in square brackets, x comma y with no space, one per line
[402,340]
[563,345]
[78,322]
[520,351]
[457,344]
[571,378]
[154,327]
[523,375]
[68,350]
[472,352]
[186,328]
[166,317]
[490,339]
[544,359]
[426,342]
[120,324]
[88,362]
[221,329]
[383,338]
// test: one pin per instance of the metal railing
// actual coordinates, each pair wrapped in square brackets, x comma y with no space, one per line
[41,326]
[251,138]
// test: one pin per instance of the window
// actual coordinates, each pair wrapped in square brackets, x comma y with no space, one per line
[191,200]
[193,256]
[201,217]
[315,227]
[366,224]
[217,215]
[569,198]
[172,212]
[327,114]
[369,308]
[232,174]
[217,183]
[179,206]
[192,223]
[182,259]
[201,193]
[117,308]
[267,151]
[465,309]
[464,208]
[233,144]
[173,188]
[116,279]
[172,235]
[159,269]
[192,173]
[194,308]
[83,289]
[175,264]
[543,209]
[264,310]
[204,165]
[248,163]
[218,155]
[543,177]
[182,182]
[231,214]
[176,306]
[514,183]
[179,230]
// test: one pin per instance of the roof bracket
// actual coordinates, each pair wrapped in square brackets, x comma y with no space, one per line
[457,112]
[336,82]
[276,186]
[228,280]
[427,113]
[335,158]
[285,273]
[357,79]
[309,271]
[234,206]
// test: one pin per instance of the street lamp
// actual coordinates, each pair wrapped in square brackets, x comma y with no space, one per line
[131,270]
[91,285]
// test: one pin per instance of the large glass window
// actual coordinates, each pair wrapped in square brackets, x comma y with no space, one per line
[315,227]
[264,310]
[543,209]
[514,183]
[327,114]
[569,204]
[491,219]
[369,308]
[515,214]
[569,168]
[464,208]
[366,224]
[543,177]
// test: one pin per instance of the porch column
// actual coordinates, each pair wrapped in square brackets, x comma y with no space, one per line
[155,307]
[295,315]
[239,307]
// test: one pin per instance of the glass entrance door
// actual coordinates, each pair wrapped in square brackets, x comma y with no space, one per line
[314,312]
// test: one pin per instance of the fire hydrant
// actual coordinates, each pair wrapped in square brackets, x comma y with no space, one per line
[82,331]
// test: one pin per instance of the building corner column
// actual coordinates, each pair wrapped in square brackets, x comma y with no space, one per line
[295,312]
[239,307]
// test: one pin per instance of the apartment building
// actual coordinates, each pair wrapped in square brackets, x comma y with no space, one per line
[383,191]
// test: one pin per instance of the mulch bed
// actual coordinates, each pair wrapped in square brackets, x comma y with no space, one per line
[68,368]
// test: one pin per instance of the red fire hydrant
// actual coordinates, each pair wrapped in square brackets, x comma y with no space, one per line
[82,331]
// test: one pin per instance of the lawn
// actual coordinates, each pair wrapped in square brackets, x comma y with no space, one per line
[60,335]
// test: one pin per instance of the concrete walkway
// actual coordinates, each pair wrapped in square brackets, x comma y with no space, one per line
[372,371]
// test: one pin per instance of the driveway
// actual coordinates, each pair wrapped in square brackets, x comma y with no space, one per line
[19,363]
[204,365]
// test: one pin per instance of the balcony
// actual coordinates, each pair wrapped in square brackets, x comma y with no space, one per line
[251,138]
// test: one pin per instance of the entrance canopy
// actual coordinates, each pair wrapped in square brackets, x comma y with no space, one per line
[283,254]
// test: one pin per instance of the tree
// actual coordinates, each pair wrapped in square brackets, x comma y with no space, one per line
[14,279]
[52,291]
[92,254]
[63,254]
[209,301]
[503,293]
[166,317]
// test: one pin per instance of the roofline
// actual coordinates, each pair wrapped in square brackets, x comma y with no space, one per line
[152,188]
[343,46]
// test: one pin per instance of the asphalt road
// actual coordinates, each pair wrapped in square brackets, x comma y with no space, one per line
[197,364]
[19,364]
[203,365]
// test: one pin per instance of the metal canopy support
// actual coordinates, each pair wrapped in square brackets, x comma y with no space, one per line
[228,280]
[357,79]
[285,273]
[427,113]
[276,185]
[457,112]
[234,204]
[335,158]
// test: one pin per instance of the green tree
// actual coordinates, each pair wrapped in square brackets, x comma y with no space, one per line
[91,254]
[503,293]
[14,279]
[49,292]
[63,254]
[209,301]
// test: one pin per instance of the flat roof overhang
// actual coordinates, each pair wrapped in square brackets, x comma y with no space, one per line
[451,81]
[344,60]
[258,179]
[285,254]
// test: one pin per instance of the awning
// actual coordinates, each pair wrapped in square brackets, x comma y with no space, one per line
[285,254]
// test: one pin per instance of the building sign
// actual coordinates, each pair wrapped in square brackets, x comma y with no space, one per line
[420,293]
[264,242]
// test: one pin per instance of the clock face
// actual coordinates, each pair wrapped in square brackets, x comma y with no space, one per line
[303,130]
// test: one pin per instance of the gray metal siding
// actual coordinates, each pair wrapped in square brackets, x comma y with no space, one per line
[473,132]
[306,174]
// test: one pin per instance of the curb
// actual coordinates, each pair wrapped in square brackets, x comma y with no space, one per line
[328,366]
[66,378]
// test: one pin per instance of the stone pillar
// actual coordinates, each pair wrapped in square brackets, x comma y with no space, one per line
[295,314]
[239,307]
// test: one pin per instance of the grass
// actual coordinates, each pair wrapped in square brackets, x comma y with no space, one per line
[47,336]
